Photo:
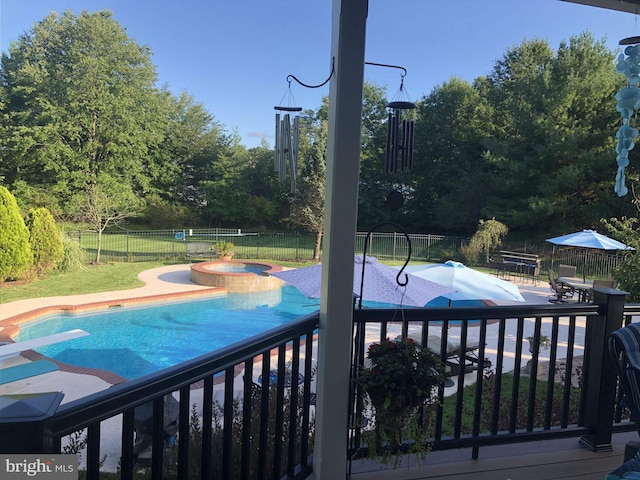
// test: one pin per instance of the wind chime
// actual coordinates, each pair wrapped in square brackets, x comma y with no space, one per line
[399,152]
[287,136]
[628,104]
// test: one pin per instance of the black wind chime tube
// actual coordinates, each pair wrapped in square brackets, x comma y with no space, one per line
[393,146]
[388,165]
[293,154]
[407,144]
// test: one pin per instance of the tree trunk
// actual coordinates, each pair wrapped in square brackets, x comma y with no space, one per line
[99,246]
[316,248]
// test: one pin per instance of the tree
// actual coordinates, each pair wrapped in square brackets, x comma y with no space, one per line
[489,235]
[307,206]
[553,131]
[79,102]
[109,201]
[192,141]
[452,179]
[45,240]
[16,257]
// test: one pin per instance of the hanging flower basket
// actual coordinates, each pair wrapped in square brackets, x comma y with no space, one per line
[402,377]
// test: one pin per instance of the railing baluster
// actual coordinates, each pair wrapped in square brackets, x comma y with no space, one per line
[293,406]
[568,384]
[207,429]
[245,450]
[308,366]
[264,416]
[227,432]
[517,368]
[495,417]
[126,462]
[551,375]
[278,431]
[533,374]
[93,451]
[157,448]
[183,433]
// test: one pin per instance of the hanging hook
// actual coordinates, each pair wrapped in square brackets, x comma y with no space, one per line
[364,259]
[290,77]
[402,75]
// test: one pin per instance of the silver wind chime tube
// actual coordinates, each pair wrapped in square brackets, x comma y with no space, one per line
[286,147]
[293,153]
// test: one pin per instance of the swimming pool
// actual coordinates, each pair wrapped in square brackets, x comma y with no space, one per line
[135,341]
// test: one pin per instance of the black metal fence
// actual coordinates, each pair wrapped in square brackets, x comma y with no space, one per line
[132,245]
[136,246]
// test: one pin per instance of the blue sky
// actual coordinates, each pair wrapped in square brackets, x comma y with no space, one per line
[234,56]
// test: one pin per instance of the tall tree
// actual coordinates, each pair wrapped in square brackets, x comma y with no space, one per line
[375,183]
[451,176]
[79,101]
[107,202]
[180,163]
[307,207]
[553,136]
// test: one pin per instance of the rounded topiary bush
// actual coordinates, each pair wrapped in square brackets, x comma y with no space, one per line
[45,240]
[16,257]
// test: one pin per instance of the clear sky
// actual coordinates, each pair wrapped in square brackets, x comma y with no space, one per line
[234,56]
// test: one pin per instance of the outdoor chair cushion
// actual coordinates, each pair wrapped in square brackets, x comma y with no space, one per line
[624,345]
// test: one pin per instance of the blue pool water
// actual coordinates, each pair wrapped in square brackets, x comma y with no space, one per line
[135,341]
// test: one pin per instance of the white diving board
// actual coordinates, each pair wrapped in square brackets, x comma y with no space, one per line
[13,349]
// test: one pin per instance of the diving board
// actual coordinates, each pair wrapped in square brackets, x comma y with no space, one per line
[13,349]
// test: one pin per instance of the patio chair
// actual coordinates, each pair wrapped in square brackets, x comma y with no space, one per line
[567,270]
[560,292]
[624,347]
[598,283]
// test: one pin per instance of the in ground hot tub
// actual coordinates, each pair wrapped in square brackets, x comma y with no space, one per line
[236,276]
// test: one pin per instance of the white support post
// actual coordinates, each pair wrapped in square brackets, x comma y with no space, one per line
[341,204]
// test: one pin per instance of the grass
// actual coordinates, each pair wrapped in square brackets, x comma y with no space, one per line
[100,278]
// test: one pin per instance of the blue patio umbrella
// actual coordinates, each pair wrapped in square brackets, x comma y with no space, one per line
[380,283]
[469,286]
[588,239]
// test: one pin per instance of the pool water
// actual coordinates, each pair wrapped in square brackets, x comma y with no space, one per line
[135,341]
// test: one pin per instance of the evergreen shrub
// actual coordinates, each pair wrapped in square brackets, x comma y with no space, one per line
[16,257]
[45,240]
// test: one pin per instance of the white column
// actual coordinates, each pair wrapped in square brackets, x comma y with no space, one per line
[341,204]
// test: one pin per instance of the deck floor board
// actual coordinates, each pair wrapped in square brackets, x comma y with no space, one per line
[544,460]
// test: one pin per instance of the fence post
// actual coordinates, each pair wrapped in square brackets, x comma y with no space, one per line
[600,378]
[25,422]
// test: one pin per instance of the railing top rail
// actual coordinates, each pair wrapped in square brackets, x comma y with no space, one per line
[414,314]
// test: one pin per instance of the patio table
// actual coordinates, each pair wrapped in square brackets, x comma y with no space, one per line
[583,287]
[273,378]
